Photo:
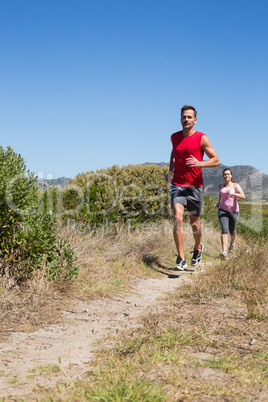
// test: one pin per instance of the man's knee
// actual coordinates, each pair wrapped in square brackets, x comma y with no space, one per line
[178,218]
[178,211]
[196,225]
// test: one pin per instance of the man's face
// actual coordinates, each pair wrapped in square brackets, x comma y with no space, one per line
[187,119]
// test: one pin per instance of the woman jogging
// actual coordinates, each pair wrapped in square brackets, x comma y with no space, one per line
[228,210]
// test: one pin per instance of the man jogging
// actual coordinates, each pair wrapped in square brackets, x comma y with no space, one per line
[187,188]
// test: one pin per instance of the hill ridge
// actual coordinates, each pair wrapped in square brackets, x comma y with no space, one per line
[251,179]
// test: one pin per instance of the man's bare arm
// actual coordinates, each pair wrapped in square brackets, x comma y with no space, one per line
[171,167]
[209,151]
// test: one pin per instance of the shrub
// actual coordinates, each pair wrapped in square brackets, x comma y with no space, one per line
[134,193]
[210,211]
[28,238]
[256,229]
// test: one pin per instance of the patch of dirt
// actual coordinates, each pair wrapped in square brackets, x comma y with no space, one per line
[29,360]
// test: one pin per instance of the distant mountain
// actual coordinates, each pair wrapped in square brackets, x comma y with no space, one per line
[58,183]
[247,176]
[253,181]
[250,179]
[158,164]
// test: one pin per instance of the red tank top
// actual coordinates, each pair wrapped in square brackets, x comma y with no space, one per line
[184,147]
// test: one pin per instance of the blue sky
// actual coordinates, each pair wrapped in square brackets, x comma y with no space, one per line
[89,84]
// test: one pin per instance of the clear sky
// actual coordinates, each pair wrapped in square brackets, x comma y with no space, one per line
[88,84]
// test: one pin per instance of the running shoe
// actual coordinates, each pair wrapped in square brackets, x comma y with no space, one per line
[197,256]
[231,247]
[223,255]
[180,265]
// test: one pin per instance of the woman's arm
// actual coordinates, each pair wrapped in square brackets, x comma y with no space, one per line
[219,187]
[239,193]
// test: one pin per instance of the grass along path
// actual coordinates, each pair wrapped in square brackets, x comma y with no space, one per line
[63,352]
[117,335]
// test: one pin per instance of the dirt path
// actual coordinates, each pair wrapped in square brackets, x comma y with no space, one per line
[27,359]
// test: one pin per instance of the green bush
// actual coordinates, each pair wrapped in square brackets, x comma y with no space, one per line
[28,237]
[133,193]
[256,229]
[209,210]
[49,201]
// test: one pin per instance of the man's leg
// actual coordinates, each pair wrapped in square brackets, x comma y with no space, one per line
[178,232]
[197,230]
[198,247]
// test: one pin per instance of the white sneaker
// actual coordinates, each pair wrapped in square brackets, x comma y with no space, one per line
[180,265]
[223,255]
[197,256]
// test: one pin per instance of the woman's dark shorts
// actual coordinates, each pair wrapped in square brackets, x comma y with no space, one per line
[190,197]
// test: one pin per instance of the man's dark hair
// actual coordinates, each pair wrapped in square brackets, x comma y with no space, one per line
[188,107]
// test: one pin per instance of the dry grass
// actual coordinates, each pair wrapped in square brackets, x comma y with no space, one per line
[243,276]
[111,259]
[110,262]
[208,343]
[203,345]
[33,304]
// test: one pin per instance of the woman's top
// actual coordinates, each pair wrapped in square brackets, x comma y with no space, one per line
[228,201]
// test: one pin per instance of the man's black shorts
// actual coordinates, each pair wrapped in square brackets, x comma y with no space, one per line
[190,197]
